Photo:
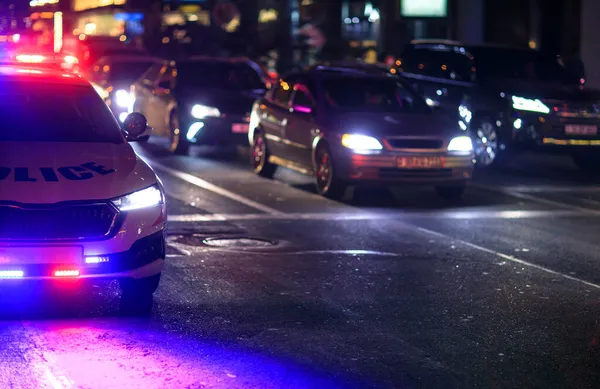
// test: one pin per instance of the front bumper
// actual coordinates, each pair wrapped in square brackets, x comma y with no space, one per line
[219,131]
[384,168]
[549,131]
[144,259]
[134,248]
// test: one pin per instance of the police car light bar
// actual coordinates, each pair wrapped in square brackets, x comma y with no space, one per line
[11,273]
[30,58]
[66,273]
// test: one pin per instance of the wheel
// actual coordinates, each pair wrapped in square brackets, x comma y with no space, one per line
[139,286]
[326,180]
[454,192]
[177,144]
[137,295]
[485,143]
[259,157]
[588,162]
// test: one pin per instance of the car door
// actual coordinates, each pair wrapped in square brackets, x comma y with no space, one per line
[162,99]
[142,91]
[274,119]
[301,127]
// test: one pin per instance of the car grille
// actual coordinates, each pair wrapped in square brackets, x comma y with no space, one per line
[399,143]
[65,222]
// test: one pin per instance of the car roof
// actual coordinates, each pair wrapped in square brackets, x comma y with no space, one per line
[204,58]
[38,74]
[457,46]
[129,58]
[325,72]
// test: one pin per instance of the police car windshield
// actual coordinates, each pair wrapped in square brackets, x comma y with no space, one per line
[371,94]
[55,113]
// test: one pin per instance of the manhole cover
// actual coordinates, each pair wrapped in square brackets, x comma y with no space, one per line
[238,242]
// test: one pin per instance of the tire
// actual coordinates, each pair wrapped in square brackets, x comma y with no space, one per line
[137,295]
[587,162]
[177,144]
[452,193]
[259,157]
[486,144]
[327,183]
[140,286]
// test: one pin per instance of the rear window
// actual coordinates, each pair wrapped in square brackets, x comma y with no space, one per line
[220,75]
[127,72]
[55,113]
[527,65]
[371,95]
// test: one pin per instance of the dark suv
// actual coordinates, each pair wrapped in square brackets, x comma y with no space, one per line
[509,98]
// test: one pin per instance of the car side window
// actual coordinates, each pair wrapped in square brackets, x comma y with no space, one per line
[168,77]
[303,97]
[150,77]
[443,64]
[281,95]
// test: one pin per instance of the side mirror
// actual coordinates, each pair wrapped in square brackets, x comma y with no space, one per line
[136,128]
[302,109]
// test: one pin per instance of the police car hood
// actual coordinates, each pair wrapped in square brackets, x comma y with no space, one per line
[45,173]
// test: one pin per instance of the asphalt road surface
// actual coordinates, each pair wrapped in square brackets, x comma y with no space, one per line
[268,285]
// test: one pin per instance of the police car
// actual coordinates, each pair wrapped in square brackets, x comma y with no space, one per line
[75,199]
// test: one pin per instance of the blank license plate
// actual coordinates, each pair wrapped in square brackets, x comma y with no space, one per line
[240,128]
[577,129]
[420,162]
[40,255]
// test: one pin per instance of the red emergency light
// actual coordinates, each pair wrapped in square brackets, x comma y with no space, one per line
[66,273]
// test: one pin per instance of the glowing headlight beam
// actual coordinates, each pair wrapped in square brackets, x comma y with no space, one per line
[144,198]
[361,142]
[200,111]
[122,98]
[461,143]
[531,105]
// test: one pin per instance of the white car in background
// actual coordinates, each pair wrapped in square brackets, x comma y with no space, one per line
[75,199]
[113,75]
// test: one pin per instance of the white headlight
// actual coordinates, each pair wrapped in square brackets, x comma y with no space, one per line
[530,105]
[360,142]
[144,198]
[461,143]
[122,98]
[200,111]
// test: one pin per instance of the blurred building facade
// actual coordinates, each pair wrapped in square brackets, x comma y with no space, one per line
[297,32]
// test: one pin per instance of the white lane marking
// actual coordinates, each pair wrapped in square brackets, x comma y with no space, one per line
[508,257]
[537,199]
[460,215]
[200,183]
[551,188]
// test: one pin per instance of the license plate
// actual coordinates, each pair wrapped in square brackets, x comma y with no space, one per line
[420,162]
[240,128]
[577,129]
[40,255]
